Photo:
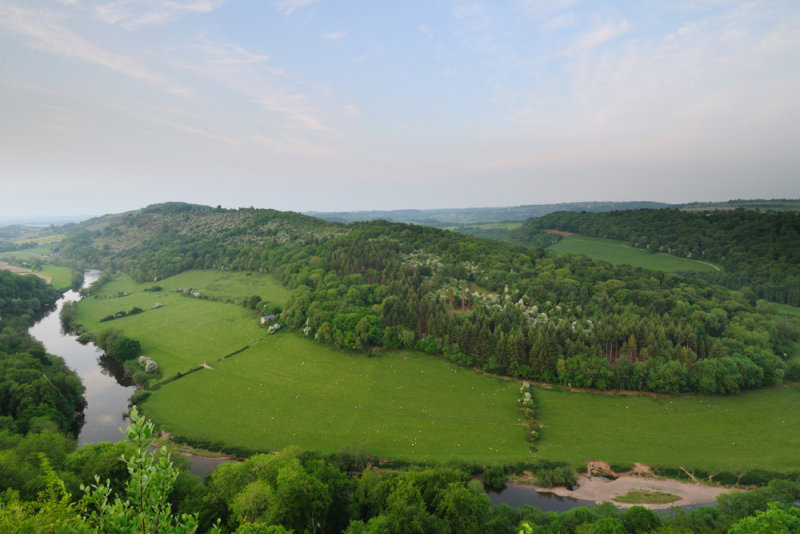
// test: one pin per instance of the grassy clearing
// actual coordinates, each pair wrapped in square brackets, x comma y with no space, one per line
[184,332]
[60,277]
[646,497]
[752,430]
[785,309]
[26,254]
[617,253]
[289,390]
[41,240]
[228,285]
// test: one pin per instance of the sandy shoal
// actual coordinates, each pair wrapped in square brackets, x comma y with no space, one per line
[598,490]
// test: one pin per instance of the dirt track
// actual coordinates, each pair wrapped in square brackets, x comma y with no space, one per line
[20,270]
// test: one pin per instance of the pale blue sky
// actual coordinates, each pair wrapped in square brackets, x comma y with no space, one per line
[340,105]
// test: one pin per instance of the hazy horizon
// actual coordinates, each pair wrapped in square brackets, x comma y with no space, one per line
[314,105]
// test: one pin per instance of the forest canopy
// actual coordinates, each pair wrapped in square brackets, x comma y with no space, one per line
[35,387]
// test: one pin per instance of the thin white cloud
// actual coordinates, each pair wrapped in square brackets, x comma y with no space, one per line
[230,54]
[133,13]
[598,36]
[295,108]
[47,36]
[335,36]
[253,79]
[289,6]
[375,52]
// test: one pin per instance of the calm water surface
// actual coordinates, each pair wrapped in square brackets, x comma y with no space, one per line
[107,392]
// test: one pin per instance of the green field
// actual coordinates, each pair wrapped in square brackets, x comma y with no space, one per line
[617,253]
[60,277]
[26,254]
[185,331]
[785,309]
[755,429]
[42,240]
[289,390]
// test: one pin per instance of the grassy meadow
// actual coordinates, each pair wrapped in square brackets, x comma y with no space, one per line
[752,430]
[617,253]
[785,309]
[60,277]
[289,390]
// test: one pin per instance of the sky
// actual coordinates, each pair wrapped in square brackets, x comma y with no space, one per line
[333,105]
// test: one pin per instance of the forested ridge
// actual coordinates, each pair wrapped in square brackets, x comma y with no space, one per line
[507,309]
[759,251]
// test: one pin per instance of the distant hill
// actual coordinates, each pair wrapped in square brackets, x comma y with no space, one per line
[775,204]
[459,216]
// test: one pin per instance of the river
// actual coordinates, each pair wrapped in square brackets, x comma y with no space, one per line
[107,392]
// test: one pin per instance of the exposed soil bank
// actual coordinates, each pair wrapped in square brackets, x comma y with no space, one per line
[20,270]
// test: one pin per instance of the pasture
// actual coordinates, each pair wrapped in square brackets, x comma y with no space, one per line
[183,332]
[617,253]
[752,430]
[785,309]
[288,390]
[60,277]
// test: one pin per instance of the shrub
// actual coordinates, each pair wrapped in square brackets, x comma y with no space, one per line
[494,476]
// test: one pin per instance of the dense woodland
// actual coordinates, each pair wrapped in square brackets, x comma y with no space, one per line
[36,389]
[506,309]
[758,251]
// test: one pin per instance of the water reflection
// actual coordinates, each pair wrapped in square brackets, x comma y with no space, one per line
[106,398]
[114,368]
[516,496]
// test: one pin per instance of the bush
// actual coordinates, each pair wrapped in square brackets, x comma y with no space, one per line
[124,349]
[725,478]
[139,396]
[494,476]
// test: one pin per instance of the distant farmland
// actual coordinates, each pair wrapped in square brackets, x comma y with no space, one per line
[617,253]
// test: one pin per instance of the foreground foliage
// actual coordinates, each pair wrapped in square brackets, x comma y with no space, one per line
[306,492]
